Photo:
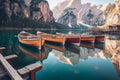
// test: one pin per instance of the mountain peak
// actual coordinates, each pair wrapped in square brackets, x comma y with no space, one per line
[57,10]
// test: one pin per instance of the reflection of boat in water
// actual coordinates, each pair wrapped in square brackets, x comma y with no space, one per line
[92,46]
[66,54]
[73,48]
[69,47]
[99,46]
[56,47]
[33,52]
[30,39]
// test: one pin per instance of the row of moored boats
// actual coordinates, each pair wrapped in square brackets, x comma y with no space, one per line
[39,39]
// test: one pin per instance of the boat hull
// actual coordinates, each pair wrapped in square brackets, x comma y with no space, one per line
[99,38]
[88,39]
[91,46]
[75,41]
[71,38]
[52,38]
[35,43]
[55,40]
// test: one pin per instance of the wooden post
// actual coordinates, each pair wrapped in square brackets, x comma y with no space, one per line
[33,69]
[32,75]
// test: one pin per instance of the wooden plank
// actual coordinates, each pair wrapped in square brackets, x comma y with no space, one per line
[11,71]
[23,72]
[33,66]
[10,57]
[28,69]
[2,48]
[2,71]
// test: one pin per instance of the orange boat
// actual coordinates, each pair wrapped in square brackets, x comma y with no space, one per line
[30,39]
[91,46]
[90,39]
[99,38]
[52,38]
[71,38]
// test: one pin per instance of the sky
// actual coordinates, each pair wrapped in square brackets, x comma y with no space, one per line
[53,3]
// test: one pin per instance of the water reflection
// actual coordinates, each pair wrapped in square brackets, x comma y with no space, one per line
[71,54]
[34,52]
[72,62]
[113,48]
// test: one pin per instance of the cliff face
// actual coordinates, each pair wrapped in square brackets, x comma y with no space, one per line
[91,14]
[112,14]
[41,10]
[113,48]
[34,9]
[86,13]
[68,17]
[59,9]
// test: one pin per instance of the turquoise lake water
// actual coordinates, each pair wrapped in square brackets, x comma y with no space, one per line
[68,63]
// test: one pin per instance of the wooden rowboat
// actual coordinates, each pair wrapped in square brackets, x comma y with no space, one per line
[90,39]
[87,45]
[71,38]
[99,38]
[30,39]
[52,38]
[77,38]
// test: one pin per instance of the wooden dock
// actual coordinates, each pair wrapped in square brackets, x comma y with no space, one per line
[3,73]
[11,71]
[7,69]
[30,70]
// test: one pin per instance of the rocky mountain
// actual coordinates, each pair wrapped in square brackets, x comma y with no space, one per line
[68,17]
[24,9]
[113,14]
[58,10]
[89,14]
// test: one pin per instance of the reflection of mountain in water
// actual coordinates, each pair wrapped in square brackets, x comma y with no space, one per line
[71,54]
[112,47]
[66,57]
